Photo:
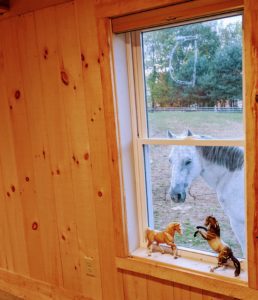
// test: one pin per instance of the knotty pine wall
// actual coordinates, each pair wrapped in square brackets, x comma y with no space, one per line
[54,164]
[59,180]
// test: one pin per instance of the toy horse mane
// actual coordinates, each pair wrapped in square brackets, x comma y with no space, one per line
[213,225]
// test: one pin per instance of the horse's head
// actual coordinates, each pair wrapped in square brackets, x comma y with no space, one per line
[185,167]
[174,227]
[211,221]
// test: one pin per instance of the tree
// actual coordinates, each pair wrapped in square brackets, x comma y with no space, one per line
[217,71]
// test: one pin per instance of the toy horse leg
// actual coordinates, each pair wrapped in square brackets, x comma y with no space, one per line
[161,249]
[202,227]
[149,248]
[222,260]
[203,234]
[216,267]
[175,251]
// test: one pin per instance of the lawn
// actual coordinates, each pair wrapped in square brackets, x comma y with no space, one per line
[216,124]
[202,201]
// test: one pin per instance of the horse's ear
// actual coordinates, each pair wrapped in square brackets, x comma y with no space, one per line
[189,133]
[170,134]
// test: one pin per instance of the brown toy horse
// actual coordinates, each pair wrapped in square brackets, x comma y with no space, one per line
[212,235]
[166,236]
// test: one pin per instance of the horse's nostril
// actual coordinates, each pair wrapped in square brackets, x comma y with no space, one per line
[179,196]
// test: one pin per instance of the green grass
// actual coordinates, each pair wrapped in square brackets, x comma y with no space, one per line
[219,125]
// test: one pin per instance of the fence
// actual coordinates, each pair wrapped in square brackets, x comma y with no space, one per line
[196,109]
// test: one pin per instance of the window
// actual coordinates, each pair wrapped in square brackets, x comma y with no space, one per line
[187,129]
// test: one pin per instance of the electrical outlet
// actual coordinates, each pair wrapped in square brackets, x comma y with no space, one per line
[90,266]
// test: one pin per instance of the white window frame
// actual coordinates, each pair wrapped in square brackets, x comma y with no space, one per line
[133,90]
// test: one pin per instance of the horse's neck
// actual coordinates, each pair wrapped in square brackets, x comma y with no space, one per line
[215,229]
[171,231]
[212,173]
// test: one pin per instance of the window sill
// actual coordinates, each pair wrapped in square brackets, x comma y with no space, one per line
[187,271]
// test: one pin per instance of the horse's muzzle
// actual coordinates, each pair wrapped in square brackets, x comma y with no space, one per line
[179,197]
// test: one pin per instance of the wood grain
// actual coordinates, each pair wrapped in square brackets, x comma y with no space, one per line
[251,107]
[174,14]
[60,193]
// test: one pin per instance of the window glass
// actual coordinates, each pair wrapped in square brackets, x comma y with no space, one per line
[193,87]
[193,78]
[181,189]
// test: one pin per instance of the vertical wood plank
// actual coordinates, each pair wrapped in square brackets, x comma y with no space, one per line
[159,289]
[211,296]
[98,145]
[40,150]
[195,294]
[251,106]
[181,292]
[135,287]
[22,145]
[105,43]
[6,256]
[51,67]
[78,137]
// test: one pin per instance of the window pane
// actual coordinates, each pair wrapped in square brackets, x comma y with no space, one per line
[193,78]
[187,184]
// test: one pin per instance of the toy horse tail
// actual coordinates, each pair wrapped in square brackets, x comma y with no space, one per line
[147,231]
[236,264]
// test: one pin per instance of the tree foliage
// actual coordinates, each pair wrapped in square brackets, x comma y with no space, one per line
[218,68]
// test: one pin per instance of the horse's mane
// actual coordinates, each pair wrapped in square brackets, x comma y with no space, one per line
[230,157]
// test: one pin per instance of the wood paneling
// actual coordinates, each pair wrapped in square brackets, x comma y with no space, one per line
[173,14]
[61,218]
[107,8]
[219,285]
[251,104]
[4,6]
[56,208]
[17,7]
[143,287]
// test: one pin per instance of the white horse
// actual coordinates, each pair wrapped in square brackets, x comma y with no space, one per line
[221,168]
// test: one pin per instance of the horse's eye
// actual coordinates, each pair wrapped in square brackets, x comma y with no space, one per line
[187,163]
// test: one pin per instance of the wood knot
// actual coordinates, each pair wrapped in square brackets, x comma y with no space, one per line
[86,65]
[100,194]
[86,156]
[171,18]
[27,178]
[17,94]
[82,57]
[45,53]
[34,226]
[13,188]
[8,194]
[65,78]
[58,172]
